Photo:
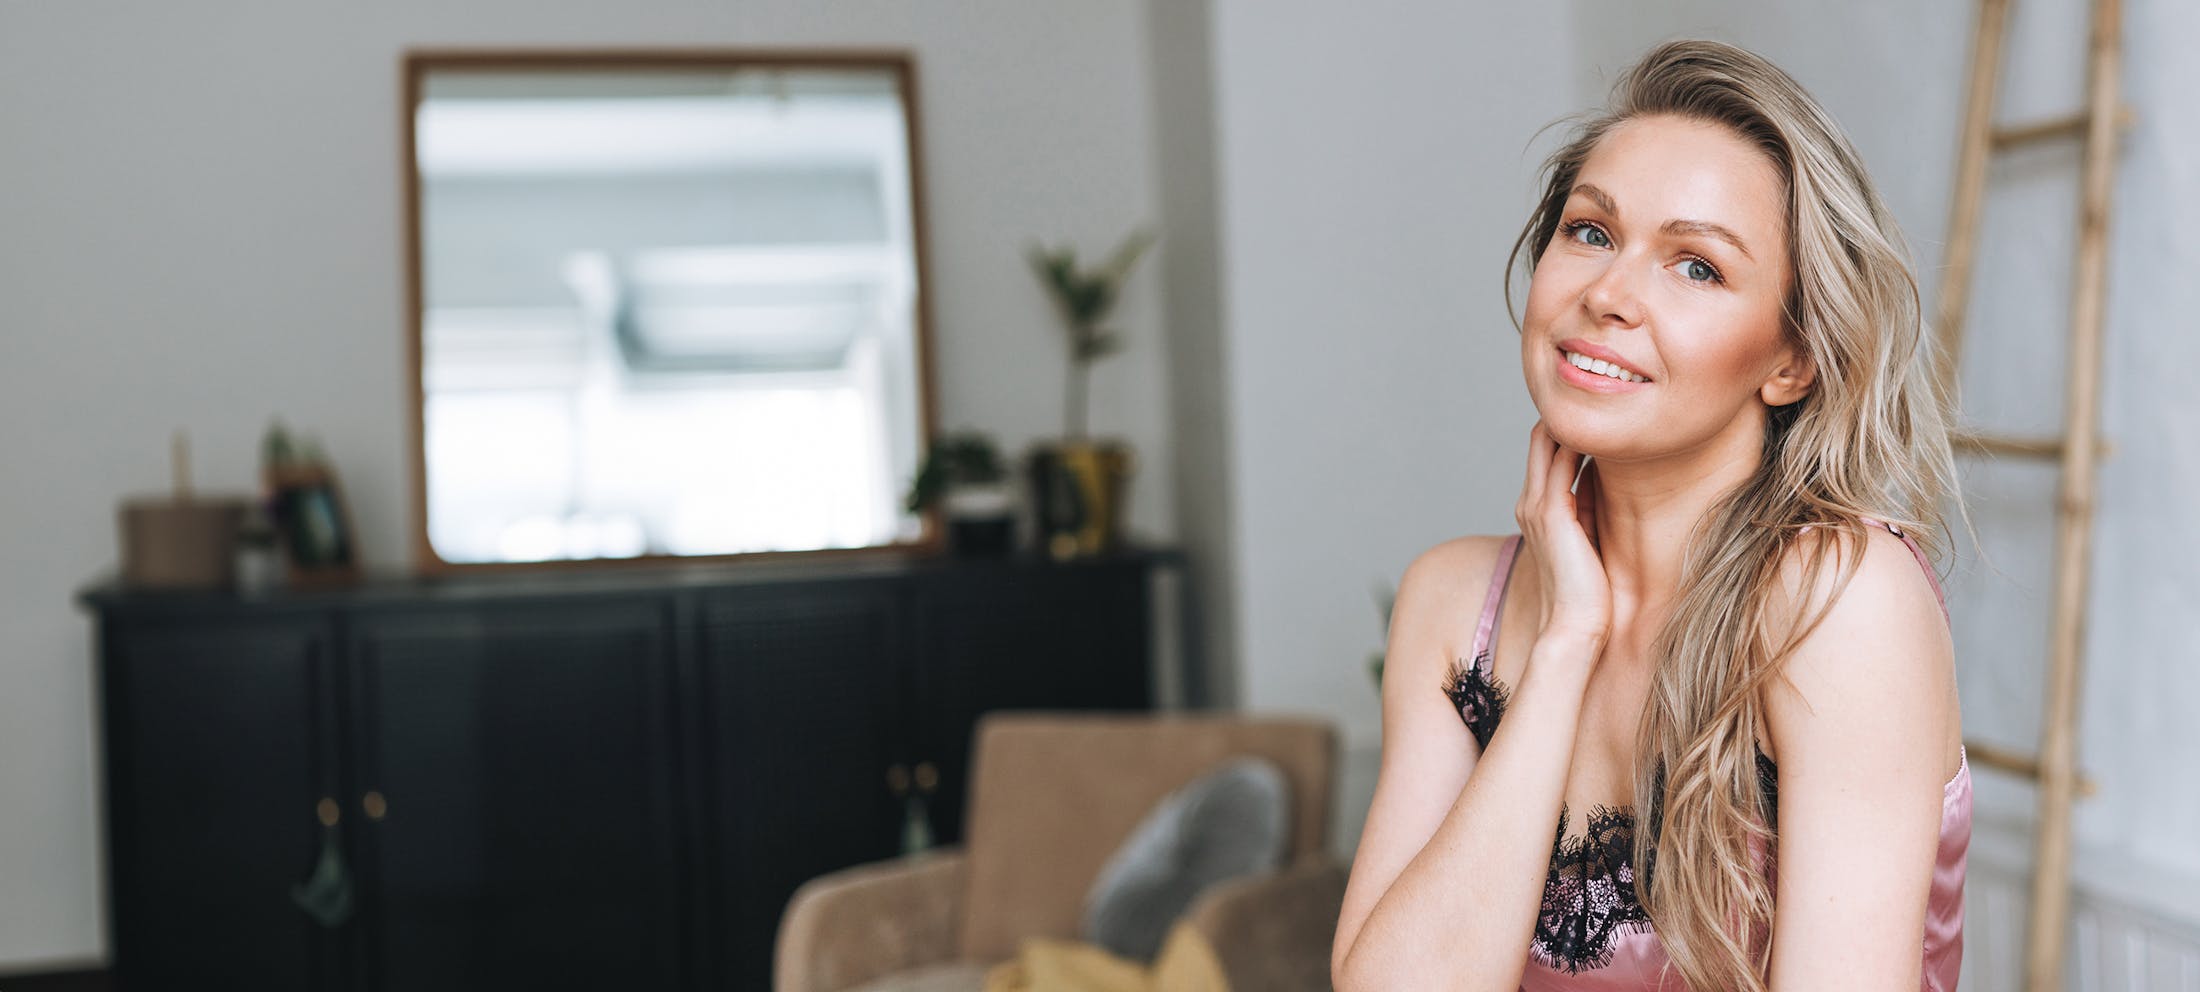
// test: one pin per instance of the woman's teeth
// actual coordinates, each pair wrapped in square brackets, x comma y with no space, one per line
[1602,367]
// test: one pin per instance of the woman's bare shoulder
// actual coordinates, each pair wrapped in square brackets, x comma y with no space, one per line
[1455,565]
[1881,558]
[1444,586]
[1875,659]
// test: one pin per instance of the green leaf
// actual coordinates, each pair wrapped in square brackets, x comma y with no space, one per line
[1118,267]
[1087,297]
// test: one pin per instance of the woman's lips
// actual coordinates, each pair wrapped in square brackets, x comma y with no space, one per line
[1572,375]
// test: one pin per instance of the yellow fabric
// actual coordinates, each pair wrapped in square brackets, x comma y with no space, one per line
[1187,963]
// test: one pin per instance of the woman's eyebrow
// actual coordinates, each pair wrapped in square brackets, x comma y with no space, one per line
[1602,199]
[1604,202]
[1683,227]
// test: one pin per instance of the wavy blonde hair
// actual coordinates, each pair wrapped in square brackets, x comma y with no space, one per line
[1871,438]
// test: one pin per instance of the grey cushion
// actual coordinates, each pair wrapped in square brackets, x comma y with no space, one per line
[1231,821]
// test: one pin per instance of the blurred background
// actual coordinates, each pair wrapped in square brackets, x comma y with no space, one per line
[204,227]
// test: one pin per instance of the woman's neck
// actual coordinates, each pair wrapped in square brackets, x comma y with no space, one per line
[1648,509]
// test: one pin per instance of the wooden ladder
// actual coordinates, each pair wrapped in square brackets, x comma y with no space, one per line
[2078,450]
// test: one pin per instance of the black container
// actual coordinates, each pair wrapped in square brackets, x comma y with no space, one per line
[975,537]
[1057,506]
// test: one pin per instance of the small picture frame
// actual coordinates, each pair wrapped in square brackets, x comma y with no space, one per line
[313,526]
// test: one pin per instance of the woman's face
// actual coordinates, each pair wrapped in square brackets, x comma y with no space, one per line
[1670,260]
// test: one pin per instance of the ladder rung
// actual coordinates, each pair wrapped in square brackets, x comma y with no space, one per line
[2049,448]
[2072,126]
[2001,759]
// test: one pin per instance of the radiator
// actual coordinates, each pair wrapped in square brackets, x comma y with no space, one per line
[2115,944]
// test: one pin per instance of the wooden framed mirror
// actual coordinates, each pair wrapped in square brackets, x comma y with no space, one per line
[664,305]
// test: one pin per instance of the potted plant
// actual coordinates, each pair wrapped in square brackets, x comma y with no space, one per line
[1078,481]
[307,510]
[963,476]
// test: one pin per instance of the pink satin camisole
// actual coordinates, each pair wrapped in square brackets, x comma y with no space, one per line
[1591,933]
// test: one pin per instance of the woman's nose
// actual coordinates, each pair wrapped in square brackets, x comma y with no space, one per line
[1615,293]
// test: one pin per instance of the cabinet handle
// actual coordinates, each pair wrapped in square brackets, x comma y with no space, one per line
[326,895]
[897,779]
[928,777]
[374,806]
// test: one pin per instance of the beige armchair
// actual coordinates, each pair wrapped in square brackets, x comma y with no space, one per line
[1051,796]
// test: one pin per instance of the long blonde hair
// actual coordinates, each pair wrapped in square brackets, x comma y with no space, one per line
[1871,439]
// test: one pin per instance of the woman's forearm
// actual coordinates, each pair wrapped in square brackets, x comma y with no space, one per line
[1461,913]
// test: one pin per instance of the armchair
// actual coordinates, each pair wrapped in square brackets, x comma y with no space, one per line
[1051,796]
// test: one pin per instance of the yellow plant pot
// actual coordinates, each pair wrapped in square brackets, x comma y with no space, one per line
[1082,512]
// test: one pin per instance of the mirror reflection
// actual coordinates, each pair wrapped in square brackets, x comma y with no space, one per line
[666,310]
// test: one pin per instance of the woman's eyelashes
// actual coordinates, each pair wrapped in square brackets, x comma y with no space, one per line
[1694,268]
[1697,270]
[1585,233]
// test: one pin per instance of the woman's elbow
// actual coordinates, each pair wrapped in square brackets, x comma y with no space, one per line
[1343,976]
[1340,977]
[1340,954]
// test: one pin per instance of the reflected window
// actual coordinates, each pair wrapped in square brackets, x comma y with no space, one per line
[666,312]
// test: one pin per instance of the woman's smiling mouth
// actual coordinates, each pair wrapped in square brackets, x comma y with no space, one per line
[1593,372]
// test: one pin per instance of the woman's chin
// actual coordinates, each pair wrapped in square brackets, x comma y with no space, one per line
[1593,430]
[1598,445]
[1596,441]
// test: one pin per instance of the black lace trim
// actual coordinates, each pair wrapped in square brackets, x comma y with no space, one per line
[1589,895]
[1479,700]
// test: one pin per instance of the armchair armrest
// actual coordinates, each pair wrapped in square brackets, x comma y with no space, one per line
[1273,930]
[847,927]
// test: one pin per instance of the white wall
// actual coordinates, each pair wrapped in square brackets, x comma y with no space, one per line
[1374,164]
[199,224]
[1191,254]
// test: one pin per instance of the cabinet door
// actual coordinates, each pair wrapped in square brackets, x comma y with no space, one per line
[802,688]
[219,746]
[523,756]
[1065,637]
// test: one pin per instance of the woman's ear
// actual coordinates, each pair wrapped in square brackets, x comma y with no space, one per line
[1791,381]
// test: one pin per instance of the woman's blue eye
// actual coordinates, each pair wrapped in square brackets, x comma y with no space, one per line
[1699,270]
[1591,235]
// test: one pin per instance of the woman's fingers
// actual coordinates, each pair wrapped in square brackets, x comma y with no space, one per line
[1558,485]
[1531,492]
[1554,504]
[1547,497]
[1558,517]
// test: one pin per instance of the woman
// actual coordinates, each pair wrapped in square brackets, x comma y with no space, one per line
[1718,599]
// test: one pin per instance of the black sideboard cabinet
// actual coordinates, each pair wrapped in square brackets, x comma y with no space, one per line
[609,780]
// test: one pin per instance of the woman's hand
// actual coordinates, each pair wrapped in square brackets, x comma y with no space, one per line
[1559,524]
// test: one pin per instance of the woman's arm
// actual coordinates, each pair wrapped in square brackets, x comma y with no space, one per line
[1450,869]
[1861,729]
[1449,875]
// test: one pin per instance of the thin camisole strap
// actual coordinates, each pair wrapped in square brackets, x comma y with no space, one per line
[1487,626]
[1923,562]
